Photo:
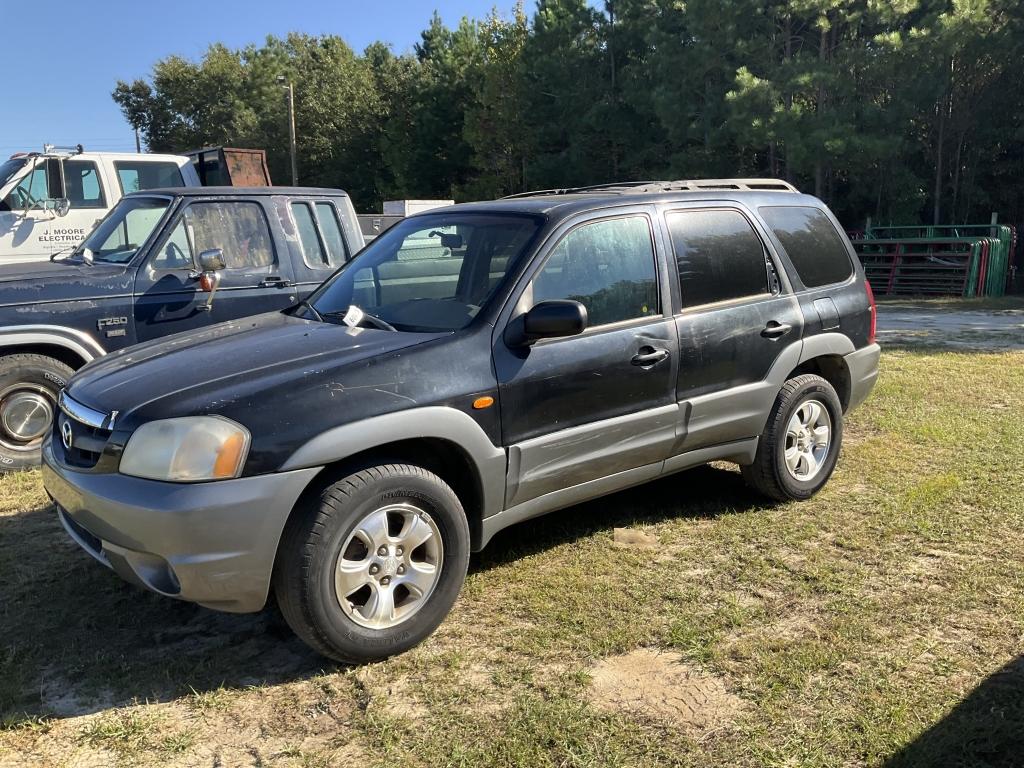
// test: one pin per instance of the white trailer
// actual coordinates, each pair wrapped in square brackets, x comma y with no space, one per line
[50,200]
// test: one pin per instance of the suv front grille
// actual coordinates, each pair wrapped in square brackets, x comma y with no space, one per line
[81,433]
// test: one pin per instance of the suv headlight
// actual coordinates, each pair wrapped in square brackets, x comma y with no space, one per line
[186,450]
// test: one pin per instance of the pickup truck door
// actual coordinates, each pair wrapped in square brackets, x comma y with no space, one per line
[257,277]
[31,232]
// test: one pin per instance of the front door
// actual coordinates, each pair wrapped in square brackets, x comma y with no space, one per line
[585,407]
[255,280]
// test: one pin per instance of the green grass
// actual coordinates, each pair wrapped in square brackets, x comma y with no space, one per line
[880,623]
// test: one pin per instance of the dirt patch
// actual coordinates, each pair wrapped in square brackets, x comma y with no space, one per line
[659,685]
[631,538]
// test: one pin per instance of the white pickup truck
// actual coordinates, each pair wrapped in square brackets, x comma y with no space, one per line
[50,200]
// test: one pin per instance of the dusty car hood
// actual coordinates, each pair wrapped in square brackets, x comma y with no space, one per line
[229,366]
[61,281]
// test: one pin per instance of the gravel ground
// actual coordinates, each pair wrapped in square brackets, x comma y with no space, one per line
[948,326]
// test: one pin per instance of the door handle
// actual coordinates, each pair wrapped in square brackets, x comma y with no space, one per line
[275,281]
[648,356]
[775,329]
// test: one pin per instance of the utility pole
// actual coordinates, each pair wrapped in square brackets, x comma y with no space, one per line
[138,144]
[286,84]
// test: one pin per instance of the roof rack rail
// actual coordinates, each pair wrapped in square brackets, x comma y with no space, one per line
[687,185]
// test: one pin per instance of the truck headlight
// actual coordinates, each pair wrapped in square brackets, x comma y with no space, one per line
[186,450]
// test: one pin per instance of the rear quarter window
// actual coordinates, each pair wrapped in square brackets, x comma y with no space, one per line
[812,242]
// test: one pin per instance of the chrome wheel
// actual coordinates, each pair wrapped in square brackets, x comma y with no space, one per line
[26,413]
[388,566]
[808,439]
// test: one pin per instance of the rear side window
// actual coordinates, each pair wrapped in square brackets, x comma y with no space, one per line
[312,249]
[136,175]
[82,182]
[814,245]
[608,267]
[330,228]
[719,255]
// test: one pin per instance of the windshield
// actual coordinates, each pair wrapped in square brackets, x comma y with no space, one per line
[124,230]
[11,167]
[429,273]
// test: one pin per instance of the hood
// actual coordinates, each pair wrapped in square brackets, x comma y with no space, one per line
[61,281]
[228,366]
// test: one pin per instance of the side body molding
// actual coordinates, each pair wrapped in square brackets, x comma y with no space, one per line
[438,422]
[82,344]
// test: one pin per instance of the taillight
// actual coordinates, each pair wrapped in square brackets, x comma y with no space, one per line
[873,310]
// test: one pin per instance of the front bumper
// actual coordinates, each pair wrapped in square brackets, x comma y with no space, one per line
[863,368]
[208,543]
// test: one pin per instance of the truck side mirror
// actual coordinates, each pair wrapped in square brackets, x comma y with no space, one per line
[211,262]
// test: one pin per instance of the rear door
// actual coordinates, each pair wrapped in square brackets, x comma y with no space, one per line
[255,280]
[586,407]
[737,318]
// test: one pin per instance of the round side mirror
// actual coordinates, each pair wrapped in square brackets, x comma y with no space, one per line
[62,206]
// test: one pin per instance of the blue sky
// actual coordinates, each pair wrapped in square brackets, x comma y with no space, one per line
[63,57]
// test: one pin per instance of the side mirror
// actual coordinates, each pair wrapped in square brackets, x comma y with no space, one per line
[549,320]
[211,260]
[61,206]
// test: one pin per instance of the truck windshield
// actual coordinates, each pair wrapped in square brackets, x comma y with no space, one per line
[428,273]
[9,168]
[124,230]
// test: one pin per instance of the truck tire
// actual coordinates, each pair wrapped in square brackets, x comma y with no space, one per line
[370,566]
[29,385]
[800,444]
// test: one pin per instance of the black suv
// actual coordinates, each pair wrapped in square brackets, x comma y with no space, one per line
[473,367]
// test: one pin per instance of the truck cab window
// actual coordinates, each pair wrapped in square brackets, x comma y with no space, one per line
[239,229]
[83,186]
[32,189]
[137,175]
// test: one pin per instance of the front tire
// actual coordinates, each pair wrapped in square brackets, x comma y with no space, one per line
[800,445]
[372,565]
[29,385]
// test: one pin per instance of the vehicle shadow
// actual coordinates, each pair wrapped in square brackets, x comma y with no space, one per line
[75,639]
[985,729]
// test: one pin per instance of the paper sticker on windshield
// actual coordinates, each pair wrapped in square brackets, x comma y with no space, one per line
[353,317]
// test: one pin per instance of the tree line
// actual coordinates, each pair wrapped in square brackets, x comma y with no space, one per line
[906,111]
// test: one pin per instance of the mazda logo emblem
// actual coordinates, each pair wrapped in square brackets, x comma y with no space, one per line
[66,434]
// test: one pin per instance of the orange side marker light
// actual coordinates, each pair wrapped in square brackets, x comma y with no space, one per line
[483,402]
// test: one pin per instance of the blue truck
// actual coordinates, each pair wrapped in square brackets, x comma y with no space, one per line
[161,262]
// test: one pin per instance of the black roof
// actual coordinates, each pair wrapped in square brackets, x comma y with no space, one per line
[247,191]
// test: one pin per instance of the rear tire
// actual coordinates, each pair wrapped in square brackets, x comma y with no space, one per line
[29,385]
[800,445]
[372,565]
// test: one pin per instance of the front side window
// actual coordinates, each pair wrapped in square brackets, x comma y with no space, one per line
[608,266]
[429,273]
[138,175]
[82,184]
[719,256]
[813,244]
[239,229]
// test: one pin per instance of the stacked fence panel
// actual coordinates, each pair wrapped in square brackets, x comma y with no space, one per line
[946,260]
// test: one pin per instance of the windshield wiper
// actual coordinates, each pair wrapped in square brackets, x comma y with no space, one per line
[355,317]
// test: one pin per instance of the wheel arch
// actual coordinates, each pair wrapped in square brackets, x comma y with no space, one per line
[443,440]
[71,347]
